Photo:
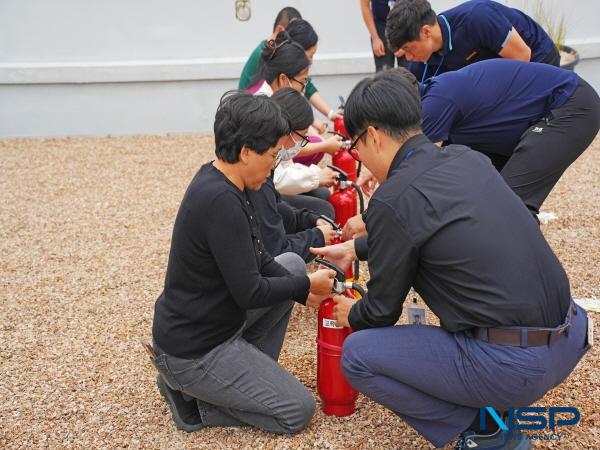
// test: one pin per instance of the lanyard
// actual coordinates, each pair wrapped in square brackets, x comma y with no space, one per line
[436,70]
[408,154]
[450,48]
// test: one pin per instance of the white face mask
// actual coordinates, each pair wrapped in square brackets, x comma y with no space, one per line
[288,154]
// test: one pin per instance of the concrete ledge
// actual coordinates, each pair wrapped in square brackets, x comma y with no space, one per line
[162,70]
[195,69]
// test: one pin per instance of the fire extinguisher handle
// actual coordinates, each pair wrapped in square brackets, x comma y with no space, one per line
[331,222]
[337,133]
[340,274]
[343,176]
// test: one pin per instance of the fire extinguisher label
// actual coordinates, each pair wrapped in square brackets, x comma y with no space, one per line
[330,323]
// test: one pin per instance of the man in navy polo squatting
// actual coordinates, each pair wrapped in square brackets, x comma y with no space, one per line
[532,120]
[509,331]
[473,31]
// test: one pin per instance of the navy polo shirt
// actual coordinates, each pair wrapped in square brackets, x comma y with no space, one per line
[478,30]
[489,105]
[380,10]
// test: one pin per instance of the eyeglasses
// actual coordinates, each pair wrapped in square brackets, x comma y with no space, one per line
[304,142]
[274,47]
[303,84]
[352,149]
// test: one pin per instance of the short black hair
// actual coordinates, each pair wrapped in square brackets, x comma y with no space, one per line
[388,101]
[405,20]
[285,16]
[281,55]
[303,33]
[295,106]
[407,75]
[245,119]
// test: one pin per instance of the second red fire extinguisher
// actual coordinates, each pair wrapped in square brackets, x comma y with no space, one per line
[337,395]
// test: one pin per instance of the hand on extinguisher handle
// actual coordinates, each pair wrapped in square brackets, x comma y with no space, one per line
[321,282]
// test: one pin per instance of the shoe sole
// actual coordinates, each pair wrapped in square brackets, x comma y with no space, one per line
[179,423]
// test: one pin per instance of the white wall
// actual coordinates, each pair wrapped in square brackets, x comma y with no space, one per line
[88,67]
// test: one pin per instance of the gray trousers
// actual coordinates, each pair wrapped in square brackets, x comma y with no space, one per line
[239,382]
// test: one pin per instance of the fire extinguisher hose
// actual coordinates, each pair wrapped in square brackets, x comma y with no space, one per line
[361,203]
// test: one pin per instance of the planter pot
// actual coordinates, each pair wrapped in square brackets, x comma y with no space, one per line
[569,57]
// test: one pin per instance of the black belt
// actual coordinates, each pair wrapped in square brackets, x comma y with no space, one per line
[525,336]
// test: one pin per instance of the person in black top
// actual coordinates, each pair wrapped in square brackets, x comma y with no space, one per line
[444,222]
[220,321]
[283,227]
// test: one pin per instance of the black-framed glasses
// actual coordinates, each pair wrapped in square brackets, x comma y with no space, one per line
[304,142]
[303,84]
[352,149]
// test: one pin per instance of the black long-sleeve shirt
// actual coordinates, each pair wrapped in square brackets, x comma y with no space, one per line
[218,268]
[446,223]
[283,227]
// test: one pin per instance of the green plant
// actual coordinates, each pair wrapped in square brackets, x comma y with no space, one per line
[555,24]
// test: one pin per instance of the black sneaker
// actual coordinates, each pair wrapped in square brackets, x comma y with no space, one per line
[185,413]
[505,440]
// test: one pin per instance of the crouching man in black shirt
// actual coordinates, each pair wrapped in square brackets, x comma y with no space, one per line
[220,321]
[445,222]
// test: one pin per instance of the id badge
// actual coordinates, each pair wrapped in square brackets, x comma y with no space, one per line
[416,314]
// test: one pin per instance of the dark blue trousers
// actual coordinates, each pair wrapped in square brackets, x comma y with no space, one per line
[436,381]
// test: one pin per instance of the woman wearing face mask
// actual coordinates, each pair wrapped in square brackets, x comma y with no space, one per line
[283,227]
[285,65]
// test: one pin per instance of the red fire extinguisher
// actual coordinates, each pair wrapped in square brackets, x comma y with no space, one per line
[337,395]
[338,124]
[343,201]
[344,197]
[342,159]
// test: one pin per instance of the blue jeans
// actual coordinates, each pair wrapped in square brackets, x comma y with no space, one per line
[436,381]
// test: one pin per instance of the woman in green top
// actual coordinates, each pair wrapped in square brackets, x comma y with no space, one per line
[303,33]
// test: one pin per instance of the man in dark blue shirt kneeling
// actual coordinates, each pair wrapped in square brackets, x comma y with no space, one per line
[444,222]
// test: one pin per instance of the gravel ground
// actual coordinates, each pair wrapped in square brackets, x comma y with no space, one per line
[85,227]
